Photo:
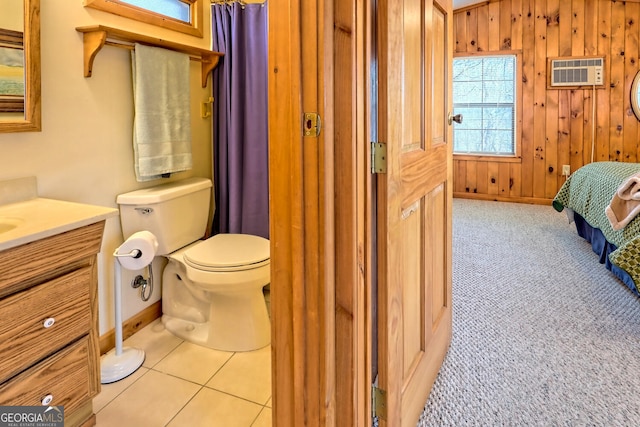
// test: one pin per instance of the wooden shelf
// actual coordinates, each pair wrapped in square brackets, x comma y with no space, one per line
[96,36]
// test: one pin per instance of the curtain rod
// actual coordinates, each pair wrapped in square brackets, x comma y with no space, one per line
[242,3]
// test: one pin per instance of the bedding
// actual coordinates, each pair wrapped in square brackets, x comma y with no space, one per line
[588,192]
[625,203]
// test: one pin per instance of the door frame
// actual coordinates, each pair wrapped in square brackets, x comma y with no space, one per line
[320,205]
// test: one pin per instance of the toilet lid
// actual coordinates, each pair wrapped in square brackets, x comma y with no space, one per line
[229,252]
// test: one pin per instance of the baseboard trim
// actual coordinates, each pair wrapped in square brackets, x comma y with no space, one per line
[131,326]
[496,198]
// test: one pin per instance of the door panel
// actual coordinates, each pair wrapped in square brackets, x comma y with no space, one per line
[414,202]
[412,291]
[437,239]
[438,100]
[413,61]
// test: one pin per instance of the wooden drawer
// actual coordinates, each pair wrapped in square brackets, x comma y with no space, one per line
[33,263]
[24,337]
[65,376]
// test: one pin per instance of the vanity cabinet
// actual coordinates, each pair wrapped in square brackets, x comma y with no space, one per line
[49,353]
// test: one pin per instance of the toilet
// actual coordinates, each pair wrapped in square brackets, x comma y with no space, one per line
[212,290]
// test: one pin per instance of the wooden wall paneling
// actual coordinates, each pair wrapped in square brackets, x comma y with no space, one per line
[616,117]
[472,177]
[516,24]
[365,104]
[577,97]
[312,316]
[564,24]
[590,49]
[603,95]
[482,182]
[553,24]
[303,329]
[472,30]
[576,127]
[350,244]
[591,27]
[459,176]
[284,153]
[554,170]
[460,32]
[564,129]
[557,125]
[516,179]
[577,28]
[587,126]
[493,175]
[515,172]
[526,97]
[505,25]
[483,24]
[345,175]
[504,180]
[634,69]
[494,26]
[539,98]
[630,137]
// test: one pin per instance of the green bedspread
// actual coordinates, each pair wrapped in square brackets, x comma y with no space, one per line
[588,191]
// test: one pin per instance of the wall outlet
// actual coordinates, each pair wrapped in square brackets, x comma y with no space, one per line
[566,170]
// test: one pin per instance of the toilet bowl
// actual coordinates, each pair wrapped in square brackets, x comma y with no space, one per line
[212,290]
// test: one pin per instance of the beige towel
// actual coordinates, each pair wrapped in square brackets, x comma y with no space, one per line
[162,123]
[625,203]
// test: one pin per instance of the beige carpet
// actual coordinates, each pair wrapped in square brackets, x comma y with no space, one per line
[543,335]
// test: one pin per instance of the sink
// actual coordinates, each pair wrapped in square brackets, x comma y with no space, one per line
[9,223]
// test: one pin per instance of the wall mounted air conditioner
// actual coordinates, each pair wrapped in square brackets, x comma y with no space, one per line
[576,72]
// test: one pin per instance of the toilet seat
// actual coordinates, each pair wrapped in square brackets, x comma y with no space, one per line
[228,252]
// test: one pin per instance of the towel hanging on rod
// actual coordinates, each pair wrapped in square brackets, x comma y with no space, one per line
[162,120]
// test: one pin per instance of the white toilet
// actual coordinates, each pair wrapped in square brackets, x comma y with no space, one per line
[211,289]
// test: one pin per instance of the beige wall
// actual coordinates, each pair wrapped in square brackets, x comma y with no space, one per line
[11,10]
[84,152]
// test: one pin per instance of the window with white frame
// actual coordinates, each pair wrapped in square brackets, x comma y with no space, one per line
[178,15]
[484,92]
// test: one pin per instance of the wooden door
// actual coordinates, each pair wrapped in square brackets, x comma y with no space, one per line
[414,201]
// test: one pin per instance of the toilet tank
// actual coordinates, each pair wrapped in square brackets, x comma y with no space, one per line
[176,213]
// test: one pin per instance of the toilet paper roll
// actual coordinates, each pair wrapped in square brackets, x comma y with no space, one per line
[143,241]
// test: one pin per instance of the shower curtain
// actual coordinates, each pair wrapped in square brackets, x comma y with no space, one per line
[240,125]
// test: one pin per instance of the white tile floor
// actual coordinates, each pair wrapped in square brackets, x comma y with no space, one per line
[183,384]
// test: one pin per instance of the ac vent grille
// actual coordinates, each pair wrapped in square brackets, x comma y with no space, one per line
[576,72]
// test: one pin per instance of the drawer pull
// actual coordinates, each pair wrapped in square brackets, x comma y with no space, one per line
[49,322]
[47,400]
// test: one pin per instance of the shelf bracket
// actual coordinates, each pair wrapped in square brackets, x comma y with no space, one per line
[209,62]
[93,42]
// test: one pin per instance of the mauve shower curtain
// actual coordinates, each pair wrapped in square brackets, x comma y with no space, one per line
[240,124]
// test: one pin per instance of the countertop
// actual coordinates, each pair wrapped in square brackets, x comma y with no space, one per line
[37,218]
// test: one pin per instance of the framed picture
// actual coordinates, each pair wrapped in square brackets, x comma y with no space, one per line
[12,88]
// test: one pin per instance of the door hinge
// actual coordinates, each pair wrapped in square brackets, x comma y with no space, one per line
[378,157]
[379,402]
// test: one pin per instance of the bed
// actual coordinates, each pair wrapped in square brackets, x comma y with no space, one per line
[585,196]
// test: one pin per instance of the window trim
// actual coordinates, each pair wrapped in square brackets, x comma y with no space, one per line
[118,7]
[506,158]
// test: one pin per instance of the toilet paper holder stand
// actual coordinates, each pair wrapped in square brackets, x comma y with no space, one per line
[120,362]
